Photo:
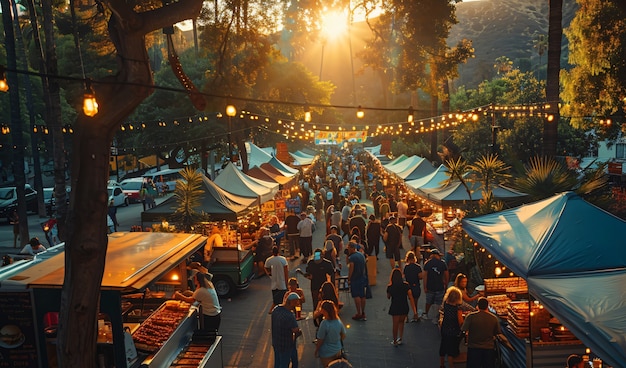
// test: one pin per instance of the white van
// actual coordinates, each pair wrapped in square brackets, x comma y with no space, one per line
[165,180]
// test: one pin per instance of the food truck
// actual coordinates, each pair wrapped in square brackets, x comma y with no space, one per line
[138,325]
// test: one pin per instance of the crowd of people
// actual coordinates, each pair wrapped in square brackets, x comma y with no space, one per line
[331,194]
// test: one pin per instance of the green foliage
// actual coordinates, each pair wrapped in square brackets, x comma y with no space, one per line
[544,177]
[596,86]
[188,194]
[402,146]
[489,170]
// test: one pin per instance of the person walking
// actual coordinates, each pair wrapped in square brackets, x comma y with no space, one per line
[285,331]
[413,275]
[392,238]
[291,225]
[372,234]
[278,270]
[436,278]
[306,227]
[330,334]
[451,327]
[398,291]
[15,221]
[416,233]
[357,277]
[112,211]
[482,328]
[319,270]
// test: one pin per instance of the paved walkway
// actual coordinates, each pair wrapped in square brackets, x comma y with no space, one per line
[247,339]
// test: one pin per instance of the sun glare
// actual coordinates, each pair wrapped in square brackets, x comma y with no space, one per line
[335,25]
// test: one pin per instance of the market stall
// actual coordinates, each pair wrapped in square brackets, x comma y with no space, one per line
[568,252]
[234,181]
[137,324]
[214,201]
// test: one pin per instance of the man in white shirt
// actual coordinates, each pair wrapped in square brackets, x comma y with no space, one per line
[277,269]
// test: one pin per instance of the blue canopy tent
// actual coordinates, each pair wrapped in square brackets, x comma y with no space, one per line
[573,260]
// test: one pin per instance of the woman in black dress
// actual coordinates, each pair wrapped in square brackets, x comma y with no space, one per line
[398,291]
[451,326]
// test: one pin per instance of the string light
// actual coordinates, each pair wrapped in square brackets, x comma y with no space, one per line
[360,113]
[411,117]
[4,86]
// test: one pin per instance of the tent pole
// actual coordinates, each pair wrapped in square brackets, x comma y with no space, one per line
[530,331]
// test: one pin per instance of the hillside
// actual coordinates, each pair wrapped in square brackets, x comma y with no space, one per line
[504,28]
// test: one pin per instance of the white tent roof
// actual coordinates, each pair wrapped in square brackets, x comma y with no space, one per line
[431,181]
[421,169]
[234,181]
[302,158]
[404,164]
[256,155]
[282,168]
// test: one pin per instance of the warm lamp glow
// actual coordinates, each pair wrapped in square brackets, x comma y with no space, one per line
[90,105]
[411,117]
[359,113]
[231,111]
[307,116]
[4,86]
[498,271]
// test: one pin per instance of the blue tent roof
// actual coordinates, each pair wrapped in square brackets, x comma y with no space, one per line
[419,170]
[570,254]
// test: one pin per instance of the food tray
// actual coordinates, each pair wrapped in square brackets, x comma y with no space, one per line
[157,328]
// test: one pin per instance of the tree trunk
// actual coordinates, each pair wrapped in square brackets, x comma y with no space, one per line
[555,32]
[28,89]
[16,121]
[86,247]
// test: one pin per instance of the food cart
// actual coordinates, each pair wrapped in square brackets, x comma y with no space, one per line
[130,332]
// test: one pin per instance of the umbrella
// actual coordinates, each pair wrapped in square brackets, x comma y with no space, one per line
[570,254]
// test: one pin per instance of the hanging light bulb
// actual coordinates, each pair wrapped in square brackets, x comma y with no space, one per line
[411,117]
[231,111]
[307,114]
[359,113]
[90,105]
[4,86]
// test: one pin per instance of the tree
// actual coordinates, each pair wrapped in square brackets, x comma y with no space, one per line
[188,195]
[595,87]
[118,96]
[544,177]
[540,43]
[16,124]
[555,33]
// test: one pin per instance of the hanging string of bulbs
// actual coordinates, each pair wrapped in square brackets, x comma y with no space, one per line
[305,129]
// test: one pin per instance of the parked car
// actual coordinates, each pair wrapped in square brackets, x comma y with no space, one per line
[117,195]
[131,188]
[8,200]
[49,200]
[164,180]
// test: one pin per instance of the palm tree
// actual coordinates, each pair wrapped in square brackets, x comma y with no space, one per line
[545,177]
[188,195]
[540,43]
[490,170]
[457,169]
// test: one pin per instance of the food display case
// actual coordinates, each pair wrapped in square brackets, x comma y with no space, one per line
[538,339]
[136,262]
